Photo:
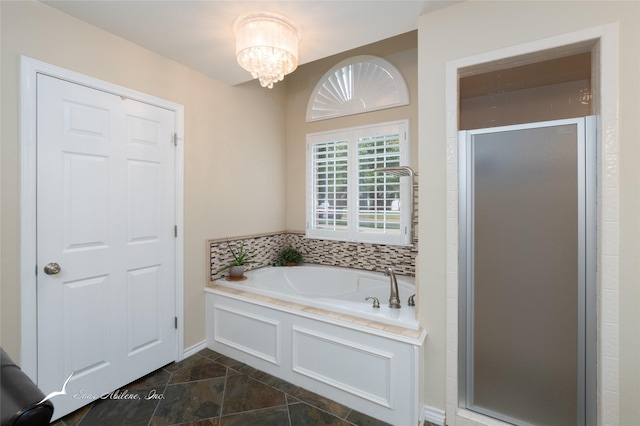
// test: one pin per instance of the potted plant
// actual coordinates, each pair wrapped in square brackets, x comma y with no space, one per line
[237,267]
[289,257]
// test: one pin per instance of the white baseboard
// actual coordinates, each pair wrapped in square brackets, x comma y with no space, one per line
[194,349]
[433,415]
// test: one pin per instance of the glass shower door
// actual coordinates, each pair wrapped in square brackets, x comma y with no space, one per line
[527,203]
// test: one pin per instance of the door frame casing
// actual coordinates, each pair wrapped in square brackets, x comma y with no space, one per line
[29,69]
[603,40]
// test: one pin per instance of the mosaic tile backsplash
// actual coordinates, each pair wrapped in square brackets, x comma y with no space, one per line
[264,249]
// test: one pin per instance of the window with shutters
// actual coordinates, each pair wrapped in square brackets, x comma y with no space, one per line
[346,198]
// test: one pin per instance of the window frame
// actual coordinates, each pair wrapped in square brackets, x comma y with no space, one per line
[352,136]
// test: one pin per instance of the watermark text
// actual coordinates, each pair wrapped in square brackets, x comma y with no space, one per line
[121,394]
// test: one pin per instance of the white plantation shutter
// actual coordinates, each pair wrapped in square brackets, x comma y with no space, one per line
[378,193]
[346,200]
[330,186]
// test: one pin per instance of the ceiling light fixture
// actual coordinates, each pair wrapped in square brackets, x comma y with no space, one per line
[266,46]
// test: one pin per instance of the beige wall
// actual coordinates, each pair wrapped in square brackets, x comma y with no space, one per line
[477,27]
[401,51]
[232,135]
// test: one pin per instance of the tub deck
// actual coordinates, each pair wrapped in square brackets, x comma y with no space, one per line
[409,333]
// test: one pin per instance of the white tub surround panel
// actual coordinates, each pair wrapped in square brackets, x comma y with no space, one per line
[264,341]
[370,367]
[314,355]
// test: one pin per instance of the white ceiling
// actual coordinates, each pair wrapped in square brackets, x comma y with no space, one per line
[199,33]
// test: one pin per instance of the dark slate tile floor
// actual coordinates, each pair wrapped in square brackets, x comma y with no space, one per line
[209,389]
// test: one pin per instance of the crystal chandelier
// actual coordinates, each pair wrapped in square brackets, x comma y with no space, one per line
[266,46]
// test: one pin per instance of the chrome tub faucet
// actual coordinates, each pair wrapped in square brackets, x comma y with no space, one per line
[394,299]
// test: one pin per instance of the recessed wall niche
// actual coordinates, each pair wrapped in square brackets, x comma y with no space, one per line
[552,89]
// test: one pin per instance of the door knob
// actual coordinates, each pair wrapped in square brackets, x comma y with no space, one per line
[52,268]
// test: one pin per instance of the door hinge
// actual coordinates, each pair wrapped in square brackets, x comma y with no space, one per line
[175,322]
[175,139]
[175,231]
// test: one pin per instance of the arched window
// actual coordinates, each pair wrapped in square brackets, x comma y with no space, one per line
[356,85]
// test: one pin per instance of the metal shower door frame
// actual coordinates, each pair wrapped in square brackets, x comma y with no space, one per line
[587,242]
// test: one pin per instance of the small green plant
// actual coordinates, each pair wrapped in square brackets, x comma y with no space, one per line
[240,257]
[289,256]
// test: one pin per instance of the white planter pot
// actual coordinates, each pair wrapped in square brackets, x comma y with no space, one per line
[236,271]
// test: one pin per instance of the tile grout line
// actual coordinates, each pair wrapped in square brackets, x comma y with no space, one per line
[286,400]
[224,392]
[155,410]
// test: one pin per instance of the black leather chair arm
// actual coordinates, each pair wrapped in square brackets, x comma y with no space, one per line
[20,396]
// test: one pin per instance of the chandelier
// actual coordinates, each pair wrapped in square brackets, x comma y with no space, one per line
[267,47]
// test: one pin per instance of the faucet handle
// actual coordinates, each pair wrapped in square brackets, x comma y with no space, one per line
[411,301]
[376,302]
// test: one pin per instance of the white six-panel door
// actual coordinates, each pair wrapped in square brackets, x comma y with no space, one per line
[105,216]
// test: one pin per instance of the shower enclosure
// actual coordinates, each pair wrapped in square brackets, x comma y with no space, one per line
[527,272]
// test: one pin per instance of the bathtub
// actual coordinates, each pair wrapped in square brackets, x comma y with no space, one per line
[334,289]
[310,326]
